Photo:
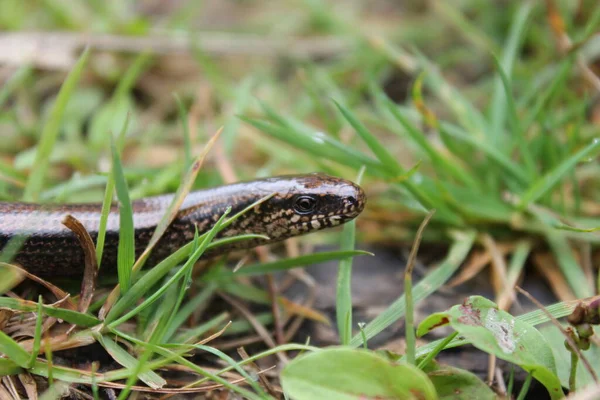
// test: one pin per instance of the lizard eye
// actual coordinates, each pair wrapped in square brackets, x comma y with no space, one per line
[305,204]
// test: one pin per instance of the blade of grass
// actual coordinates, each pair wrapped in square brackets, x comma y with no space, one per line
[37,336]
[167,218]
[286,264]
[177,358]
[443,164]
[183,120]
[51,130]
[193,334]
[126,247]
[70,316]
[493,152]
[111,116]
[186,282]
[11,349]
[502,95]
[545,183]
[515,123]
[408,296]
[108,196]
[162,268]
[251,381]
[559,79]
[125,359]
[16,79]
[178,198]
[392,166]
[344,280]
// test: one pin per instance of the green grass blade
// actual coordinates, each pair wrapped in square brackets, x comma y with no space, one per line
[382,154]
[289,263]
[51,130]
[37,336]
[344,281]
[315,146]
[568,264]
[70,316]
[515,123]
[252,382]
[9,367]
[432,282]
[187,143]
[542,100]
[108,197]
[126,248]
[468,115]
[545,183]
[125,359]
[112,115]
[502,95]
[11,349]
[14,82]
[192,335]
[493,152]
[197,302]
[443,165]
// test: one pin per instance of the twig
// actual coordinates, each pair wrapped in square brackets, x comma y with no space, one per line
[410,265]
[59,49]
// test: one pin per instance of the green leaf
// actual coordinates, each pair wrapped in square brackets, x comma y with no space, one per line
[346,374]
[563,358]
[497,332]
[455,383]
[432,322]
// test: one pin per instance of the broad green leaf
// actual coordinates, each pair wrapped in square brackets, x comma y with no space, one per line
[497,332]
[353,374]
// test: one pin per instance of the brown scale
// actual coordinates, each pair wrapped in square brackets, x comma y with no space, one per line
[299,205]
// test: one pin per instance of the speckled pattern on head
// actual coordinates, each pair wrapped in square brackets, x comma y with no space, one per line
[299,204]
